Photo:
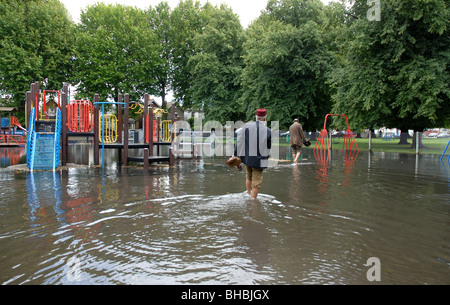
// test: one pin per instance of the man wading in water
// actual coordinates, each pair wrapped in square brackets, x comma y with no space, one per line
[296,139]
[253,145]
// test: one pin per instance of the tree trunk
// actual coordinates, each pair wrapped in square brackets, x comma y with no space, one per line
[413,145]
[403,137]
[163,97]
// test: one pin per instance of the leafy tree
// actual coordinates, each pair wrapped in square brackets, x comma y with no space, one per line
[394,72]
[160,23]
[116,52]
[36,44]
[286,56]
[217,67]
[187,19]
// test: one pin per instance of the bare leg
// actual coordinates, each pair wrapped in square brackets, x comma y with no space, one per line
[248,184]
[255,192]
[297,155]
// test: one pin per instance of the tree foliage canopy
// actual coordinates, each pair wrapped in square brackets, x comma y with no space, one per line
[36,43]
[116,52]
[285,63]
[299,58]
[394,72]
[217,67]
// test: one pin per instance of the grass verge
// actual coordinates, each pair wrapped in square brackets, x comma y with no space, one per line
[433,146]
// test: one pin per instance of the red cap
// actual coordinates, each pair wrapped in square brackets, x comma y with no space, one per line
[261,112]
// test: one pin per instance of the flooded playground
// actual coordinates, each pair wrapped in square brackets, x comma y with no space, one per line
[194,224]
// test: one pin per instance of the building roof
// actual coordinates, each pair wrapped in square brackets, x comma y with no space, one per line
[8,109]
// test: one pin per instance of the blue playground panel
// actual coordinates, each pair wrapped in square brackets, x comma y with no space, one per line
[5,123]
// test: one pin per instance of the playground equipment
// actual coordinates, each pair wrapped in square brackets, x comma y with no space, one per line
[322,147]
[111,122]
[15,122]
[108,127]
[10,123]
[5,123]
[46,113]
[44,130]
[445,150]
[152,136]
[43,147]
[166,134]
[11,140]
[81,118]
[161,130]
[9,137]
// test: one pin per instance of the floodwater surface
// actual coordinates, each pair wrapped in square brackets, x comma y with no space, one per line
[194,224]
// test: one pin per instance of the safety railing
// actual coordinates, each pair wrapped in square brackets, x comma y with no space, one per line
[103,126]
[31,140]
[11,139]
[166,132]
[108,133]
[57,140]
[80,116]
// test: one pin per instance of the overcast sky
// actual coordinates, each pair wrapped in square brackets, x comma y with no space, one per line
[246,10]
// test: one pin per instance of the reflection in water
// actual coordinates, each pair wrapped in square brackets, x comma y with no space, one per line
[12,155]
[195,224]
[38,206]
[255,236]
[447,173]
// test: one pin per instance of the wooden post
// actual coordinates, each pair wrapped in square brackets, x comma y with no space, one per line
[120,126]
[96,130]
[158,119]
[146,158]
[145,120]
[171,157]
[151,131]
[36,99]
[28,109]
[30,104]
[172,126]
[64,145]
[125,131]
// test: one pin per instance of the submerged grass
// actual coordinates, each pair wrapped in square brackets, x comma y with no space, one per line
[431,145]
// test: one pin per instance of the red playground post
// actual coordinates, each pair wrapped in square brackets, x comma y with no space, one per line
[322,147]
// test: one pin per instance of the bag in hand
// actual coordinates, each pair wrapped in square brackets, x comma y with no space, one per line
[234,161]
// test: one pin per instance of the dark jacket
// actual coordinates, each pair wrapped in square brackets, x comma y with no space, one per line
[253,145]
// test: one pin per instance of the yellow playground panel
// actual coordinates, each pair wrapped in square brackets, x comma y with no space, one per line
[110,129]
[135,106]
[166,131]
[165,127]
[140,109]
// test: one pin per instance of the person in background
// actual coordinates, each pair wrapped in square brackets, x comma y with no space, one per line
[253,145]
[296,139]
